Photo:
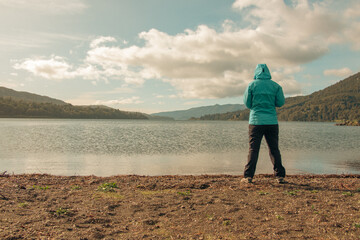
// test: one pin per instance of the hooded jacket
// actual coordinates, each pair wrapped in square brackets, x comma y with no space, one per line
[262,96]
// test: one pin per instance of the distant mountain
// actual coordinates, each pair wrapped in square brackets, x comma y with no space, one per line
[26,96]
[340,101]
[200,111]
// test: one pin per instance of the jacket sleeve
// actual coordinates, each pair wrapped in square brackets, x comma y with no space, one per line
[280,98]
[248,97]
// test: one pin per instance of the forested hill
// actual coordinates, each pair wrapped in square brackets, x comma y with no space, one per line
[26,96]
[337,102]
[20,109]
[340,101]
[23,104]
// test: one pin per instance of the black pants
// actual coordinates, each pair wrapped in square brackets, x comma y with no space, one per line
[256,133]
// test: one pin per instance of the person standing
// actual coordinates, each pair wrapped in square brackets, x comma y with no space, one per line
[262,96]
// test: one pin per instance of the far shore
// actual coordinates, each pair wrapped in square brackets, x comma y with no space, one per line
[40,206]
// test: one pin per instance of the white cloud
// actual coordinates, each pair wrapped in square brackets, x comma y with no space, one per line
[123,101]
[96,42]
[342,72]
[206,63]
[353,11]
[48,6]
[53,68]
[288,82]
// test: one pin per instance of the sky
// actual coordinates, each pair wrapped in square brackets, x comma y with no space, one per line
[163,55]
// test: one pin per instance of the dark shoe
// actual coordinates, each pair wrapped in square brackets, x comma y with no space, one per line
[281,180]
[246,180]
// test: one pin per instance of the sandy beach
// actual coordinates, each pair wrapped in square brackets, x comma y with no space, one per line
[35,206]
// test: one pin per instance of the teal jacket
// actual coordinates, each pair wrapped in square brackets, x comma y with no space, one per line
[262,96]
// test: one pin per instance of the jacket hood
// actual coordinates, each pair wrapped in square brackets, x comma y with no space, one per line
[262,72]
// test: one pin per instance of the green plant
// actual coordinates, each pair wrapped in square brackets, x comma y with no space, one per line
[210,217]
[61,211]
[292,193]
[40,187]
[314,191]
[186,193]
[357,225]
[75,187]
[107,187]
[263,193]
[23,204]
[226,222]
[279,217]
[348,194]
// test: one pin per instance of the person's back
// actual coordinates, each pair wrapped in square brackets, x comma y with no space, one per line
[262,96]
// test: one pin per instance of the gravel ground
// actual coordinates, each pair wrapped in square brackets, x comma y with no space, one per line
[179,207]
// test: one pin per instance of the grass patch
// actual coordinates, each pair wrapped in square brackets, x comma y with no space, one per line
[350,194]
[292,193]
[75,187]
[314,210]
[210,217]
[61,211]
[40,187]
[110,194]
[226,222]
[186,193]
[108,187]
[23,205]
[262,193]
[279,217]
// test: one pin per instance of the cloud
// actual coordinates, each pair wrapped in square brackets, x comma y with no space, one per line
[123,101]
[53,68]
[96,42]
[342,72]
[48,6]
[208,63]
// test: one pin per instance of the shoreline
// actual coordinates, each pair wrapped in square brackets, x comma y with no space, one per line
[43,206]
[261,175]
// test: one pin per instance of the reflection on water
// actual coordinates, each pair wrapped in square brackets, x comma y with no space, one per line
[111,147]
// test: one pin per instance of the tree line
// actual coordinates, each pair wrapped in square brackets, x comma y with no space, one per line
[18,108]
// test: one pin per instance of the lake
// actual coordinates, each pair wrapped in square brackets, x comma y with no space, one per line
[116,147]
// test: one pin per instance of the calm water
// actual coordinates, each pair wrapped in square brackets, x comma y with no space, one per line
[112,147]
